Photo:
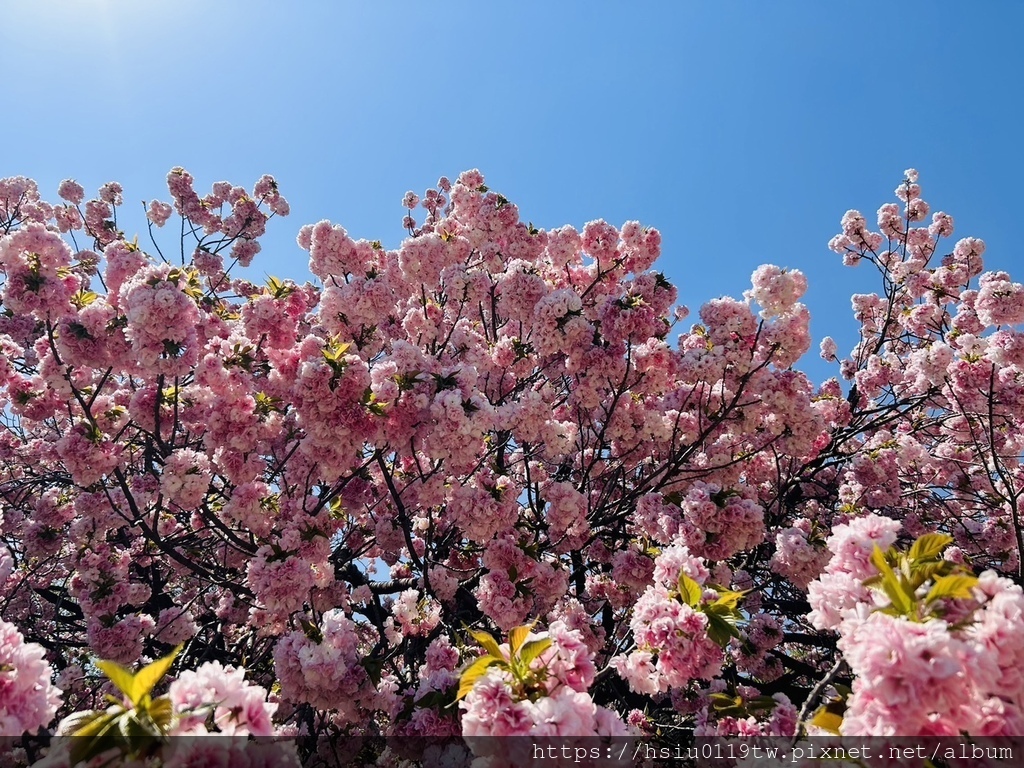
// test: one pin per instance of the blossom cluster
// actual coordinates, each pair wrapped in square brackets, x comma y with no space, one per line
[28,700]
[953,673]
[325,670]
[673,645]
[558,704]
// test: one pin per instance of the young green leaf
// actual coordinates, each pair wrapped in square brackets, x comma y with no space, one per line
[374,668]
[930,569]
[730,599]
[487,642]
[879,560]
[724,704]
[161,712]
[137,685]
[955,586]
[533,649]
[929,546]
[761,702]
[473,672]
[689,590]
[123,678]
[151,674]
[720,628]
[96,737]
[85,723]
[84,298]
[517,637]
[891,585]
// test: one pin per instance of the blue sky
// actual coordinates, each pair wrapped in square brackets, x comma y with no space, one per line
[742,130]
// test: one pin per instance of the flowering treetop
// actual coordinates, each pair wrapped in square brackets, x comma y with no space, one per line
[674,530]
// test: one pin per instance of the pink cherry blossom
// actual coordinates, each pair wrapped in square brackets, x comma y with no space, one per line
[320,487]
[28,700]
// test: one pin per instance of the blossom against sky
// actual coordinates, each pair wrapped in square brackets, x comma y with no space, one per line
[742,131]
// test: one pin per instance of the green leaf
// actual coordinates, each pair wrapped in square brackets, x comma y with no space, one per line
[891,585]
[488,643]
[762,702]
[120,677]
[126,729]
[879,561]
[720,629]
[440,700]
[161,712]
[84,298]
[724,704]
[137,685]
[929,546]
[955,586]
[689,590]
[335,350]
[932,569]
[517,637]
[151,674]
[278,288]
[473,672]
[97,737]
[140,734]
[730,599]
[84,723]
[533,649]
[311,630]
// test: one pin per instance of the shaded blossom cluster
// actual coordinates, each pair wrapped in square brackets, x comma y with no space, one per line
[28,699]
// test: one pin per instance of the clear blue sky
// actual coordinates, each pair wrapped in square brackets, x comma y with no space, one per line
[742,130]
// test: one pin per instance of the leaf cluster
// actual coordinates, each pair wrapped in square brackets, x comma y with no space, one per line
[518,662]
[136,730]
[723,612]
[903,577]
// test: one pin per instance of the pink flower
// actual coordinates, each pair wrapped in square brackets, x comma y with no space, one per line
[564,713]
[828,348]
[185,479]
[906,674]
[1000,301]
[326,673]
[238,707]
[569,660]
[853,543]
[638,670]
[775,289]
[28,701]
[796,557]
[490,710]
[159,212]
[111,193]
[71,191]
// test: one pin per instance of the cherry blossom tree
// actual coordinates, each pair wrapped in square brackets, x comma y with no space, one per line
[488,484]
